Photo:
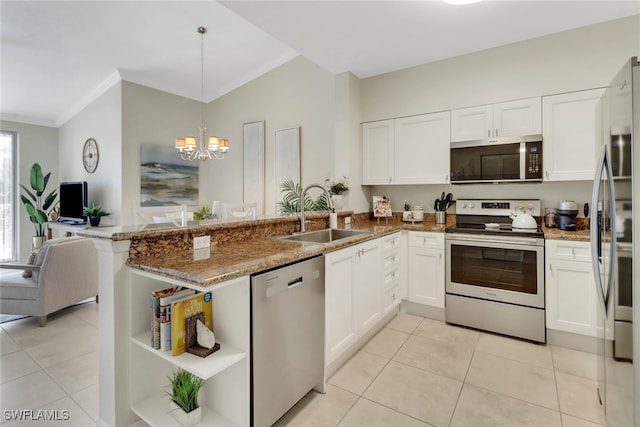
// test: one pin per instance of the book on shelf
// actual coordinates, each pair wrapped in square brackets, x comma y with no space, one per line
[155,312]
[166,316]
[186,307]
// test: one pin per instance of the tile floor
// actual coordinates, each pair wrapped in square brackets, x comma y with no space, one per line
[414,372]
[53,368]
[421,372]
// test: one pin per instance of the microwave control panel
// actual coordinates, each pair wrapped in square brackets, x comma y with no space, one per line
[533,167]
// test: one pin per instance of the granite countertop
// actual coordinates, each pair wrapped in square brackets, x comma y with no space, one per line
[235,259]
[231,259]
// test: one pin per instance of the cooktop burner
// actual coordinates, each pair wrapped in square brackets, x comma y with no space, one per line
[491,217]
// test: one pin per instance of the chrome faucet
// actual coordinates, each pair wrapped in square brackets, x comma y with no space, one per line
[304,192]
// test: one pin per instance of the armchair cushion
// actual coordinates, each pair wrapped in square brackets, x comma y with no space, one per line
[31,261]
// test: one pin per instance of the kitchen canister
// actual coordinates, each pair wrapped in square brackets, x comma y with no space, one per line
[418,213]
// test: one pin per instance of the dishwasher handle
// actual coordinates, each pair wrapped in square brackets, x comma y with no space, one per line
[295,282]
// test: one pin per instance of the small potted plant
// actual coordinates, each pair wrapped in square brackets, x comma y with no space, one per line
[95,213]
[406,213]
[184,397]
[203,213]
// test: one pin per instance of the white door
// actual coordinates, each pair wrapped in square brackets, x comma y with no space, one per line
[572,129]
[426,276]
[367,283]
[340,320]
[570,297]
[517,118]
[377,152]
[473,123]
[422,149]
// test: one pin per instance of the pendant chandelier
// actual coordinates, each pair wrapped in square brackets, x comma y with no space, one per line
[202,149]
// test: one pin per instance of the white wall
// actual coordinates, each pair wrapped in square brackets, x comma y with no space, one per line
[298,93]
[154,117]
[35,144]
[100,120]
[573,60]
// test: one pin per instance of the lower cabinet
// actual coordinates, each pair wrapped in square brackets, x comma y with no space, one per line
[571,299]
[352,295]
[225,395]
[426,268]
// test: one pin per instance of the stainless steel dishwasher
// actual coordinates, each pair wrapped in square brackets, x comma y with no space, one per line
[287,338]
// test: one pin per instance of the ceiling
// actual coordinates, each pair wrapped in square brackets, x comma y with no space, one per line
[57,56]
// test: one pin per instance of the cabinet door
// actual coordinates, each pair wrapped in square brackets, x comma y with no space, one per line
[367,282]
[571,303]
[340,321]
[422,149]
[468,124]
[517,118]
[377,152]
[426,276]
[572,126]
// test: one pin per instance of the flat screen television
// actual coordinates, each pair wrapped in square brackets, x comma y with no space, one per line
[73,199]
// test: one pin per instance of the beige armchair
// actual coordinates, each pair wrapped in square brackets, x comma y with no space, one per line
[65,271]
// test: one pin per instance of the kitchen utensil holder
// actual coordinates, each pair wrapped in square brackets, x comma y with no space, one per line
[441,217]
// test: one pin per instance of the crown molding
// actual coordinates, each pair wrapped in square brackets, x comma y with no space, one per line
[37,121]
[107,84]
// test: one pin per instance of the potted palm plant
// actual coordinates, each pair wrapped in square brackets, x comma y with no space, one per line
[95,212]
[184,397]
[36,205]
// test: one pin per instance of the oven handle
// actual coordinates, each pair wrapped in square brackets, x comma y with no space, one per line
[515,240]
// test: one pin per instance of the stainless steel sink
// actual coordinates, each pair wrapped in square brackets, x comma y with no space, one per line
[324,236]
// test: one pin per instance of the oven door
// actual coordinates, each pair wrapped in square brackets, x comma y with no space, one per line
[509,270]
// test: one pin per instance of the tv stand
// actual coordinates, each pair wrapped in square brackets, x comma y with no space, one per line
[70,228]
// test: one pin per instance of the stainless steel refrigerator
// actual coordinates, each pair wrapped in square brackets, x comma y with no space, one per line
[615,244]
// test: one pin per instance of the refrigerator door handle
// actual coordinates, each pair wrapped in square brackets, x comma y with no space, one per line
[603,290]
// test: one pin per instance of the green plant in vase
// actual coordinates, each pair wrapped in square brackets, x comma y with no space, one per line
[184,394]
[36,206]
[95,213]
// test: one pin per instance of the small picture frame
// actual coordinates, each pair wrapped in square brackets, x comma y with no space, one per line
[381,206]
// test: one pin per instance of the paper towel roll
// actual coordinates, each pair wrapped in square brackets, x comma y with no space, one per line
[333,220]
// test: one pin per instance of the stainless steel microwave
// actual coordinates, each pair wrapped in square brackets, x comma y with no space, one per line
[516,159]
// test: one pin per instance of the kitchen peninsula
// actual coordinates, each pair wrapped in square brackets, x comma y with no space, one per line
[134,260]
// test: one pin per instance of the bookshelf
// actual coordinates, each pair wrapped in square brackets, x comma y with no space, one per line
[225,396]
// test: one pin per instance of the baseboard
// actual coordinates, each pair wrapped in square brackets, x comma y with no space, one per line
[575,341]
[422,310]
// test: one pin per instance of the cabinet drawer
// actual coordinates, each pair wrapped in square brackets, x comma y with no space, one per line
[391,242]
[426,240]
[391,296]
[391,260]
[571,251]
[391,278]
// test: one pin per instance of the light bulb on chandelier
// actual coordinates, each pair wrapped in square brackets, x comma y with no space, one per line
[191,148]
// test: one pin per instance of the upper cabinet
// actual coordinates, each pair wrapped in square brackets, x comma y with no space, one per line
[572,132]
[409,150]
[512,118]
[377,152]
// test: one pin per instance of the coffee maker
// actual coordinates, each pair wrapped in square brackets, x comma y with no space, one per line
[567,213]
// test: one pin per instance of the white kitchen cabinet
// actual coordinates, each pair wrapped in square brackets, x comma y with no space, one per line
[511,118]
[426,268]
[572,132]
[225,394]
[422,149]
[408,150]
[352,295]
[378,152]
[571,299]
[393,289]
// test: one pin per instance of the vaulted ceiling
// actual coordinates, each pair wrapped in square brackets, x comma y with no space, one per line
[56,56]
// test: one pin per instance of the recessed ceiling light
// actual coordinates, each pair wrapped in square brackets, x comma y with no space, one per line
[460,2]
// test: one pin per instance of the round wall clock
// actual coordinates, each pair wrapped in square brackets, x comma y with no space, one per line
[90,155]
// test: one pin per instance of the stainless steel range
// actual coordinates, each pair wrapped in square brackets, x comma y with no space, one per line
[495,272]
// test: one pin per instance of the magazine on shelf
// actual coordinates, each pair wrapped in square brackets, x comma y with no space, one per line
[155,312]
[166,315]
[186,307]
